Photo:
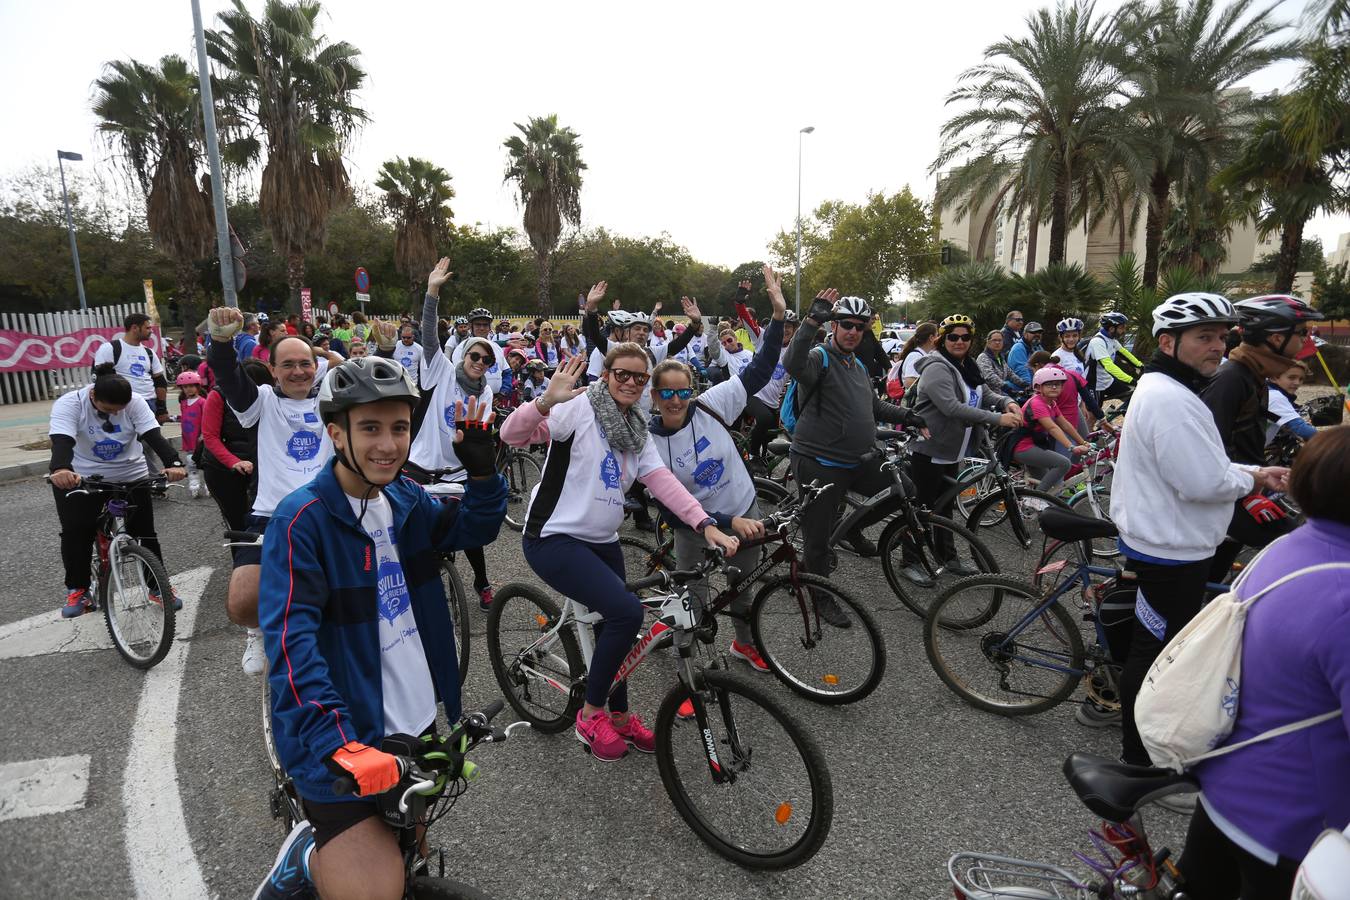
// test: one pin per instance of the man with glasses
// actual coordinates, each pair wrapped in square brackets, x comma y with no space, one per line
[837,416]
[1012,329]
[292,447]
[1020,353]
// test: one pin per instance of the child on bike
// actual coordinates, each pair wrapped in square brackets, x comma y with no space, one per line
[1283,395]
[191,405]
[358,634]
[1044,426]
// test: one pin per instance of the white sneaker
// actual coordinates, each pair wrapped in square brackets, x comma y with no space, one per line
[255,657]
[1033,504]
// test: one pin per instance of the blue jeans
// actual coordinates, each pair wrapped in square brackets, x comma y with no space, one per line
[592,575]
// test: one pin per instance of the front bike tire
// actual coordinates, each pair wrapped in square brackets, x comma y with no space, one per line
[540,678]
[141,628]
[985,648]
[1016,529]
[813,658]
[458,601]
[522,473]
[427,888]
[641,559]
[776,813]
[900,550]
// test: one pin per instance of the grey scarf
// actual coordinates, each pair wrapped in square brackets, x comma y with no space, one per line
[625,431]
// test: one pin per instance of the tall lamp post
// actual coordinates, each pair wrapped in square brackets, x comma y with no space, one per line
[223,246]
[807,130]
[62,155]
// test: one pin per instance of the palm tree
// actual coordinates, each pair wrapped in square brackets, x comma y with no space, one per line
[1183,61]
[1319,116]
[417,194]
[545,163]
[285,84]
[153,116]
[1039,132]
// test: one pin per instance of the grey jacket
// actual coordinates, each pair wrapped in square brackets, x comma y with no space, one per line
[944,403]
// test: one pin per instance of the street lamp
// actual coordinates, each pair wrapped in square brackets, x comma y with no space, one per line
[70,223]
[807,130]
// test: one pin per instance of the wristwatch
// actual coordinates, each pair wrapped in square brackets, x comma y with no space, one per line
[704,524]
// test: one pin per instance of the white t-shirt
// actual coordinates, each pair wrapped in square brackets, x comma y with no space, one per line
[136,365]
[908,364]
[734,363]
[433,447]
[581,492]
[112,449]
[693,350]
[772,393]
[408,356]
[549,354]
[405,679]
[293,445]
[1069,362]
[1282,411]
[494,372]
[704,457]
[1102,348]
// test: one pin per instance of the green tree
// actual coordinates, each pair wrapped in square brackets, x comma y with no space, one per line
[285,83]
[545,165]
[1332,293]
[152,116]
[1055,292]
[1319,114]
[1127,293]
[981,290]
[417,194]
[1311,258]
[494,270]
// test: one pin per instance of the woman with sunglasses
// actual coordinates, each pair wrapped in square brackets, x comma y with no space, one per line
[598,446]
[694,440]
[547,348]
[98,431]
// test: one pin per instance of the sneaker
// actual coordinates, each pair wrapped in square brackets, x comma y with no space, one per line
[959,569]
[1094,715]
[686,710]
[1182,804]
[860,544]
[177,600]
[635,734]
[748,653]
[255,656]
[289,877]
[598,736]
[77,604]
[916,575]
[485,599]
[830,611]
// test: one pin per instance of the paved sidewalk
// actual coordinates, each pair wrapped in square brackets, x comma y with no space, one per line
[24,448]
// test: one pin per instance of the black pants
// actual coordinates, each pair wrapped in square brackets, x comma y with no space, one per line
[820,518]
[79,523]
[1244,531]
[1215,868]
[232,492]
[766,420]
[930,483]
[1173,595]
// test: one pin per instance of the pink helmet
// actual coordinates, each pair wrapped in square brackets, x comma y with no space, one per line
[1048,374]
[679,329]
[188,378]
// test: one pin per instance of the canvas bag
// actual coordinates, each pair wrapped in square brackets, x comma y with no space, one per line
[1188,703]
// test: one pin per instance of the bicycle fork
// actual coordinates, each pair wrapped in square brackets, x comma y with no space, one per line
[691,678]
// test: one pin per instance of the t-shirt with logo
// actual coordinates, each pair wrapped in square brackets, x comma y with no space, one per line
[136,364]
[772,393]
[494,372]
[1069,362]
[581,491]
[405,679]
[408,356]
[704,457]
[1099,350]
[547,352]
[293,445]
[106,444]
[735,362]
[433,447]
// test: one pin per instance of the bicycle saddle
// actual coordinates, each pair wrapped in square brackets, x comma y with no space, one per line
[1114,790]
[780,446]
[1063,525]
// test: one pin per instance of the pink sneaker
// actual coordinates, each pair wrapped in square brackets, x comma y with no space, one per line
[636,735]
[598,736]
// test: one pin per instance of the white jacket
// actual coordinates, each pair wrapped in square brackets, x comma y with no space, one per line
[1174,487]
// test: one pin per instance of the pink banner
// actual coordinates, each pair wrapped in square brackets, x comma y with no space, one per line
[21,351]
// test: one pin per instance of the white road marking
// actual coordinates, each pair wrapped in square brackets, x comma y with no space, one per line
[43,787]
[158,847]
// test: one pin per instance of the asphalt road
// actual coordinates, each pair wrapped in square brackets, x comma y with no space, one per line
[917,773]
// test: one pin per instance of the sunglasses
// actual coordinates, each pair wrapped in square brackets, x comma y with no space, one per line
[959,338]
[850,325]
[671,393]
[623,376]
[477,357]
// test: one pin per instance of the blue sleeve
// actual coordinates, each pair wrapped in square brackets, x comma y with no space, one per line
[765,360]
[472,522]
[1017,361]
[239,390]
[1301,429]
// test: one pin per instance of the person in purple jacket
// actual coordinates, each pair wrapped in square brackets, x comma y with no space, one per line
[1262,807]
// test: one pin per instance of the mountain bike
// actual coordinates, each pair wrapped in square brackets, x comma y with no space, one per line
[522,471]
[742,773]
[129,582]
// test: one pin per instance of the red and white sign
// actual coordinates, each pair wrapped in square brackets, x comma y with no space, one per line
[306,306]
[333,308]
[21,351]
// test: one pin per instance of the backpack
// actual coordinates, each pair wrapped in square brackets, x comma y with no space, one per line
[1188,703]
[1007,445]
[791,407]
[117,352]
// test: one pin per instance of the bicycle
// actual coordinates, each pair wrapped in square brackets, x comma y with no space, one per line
[129,582]
[522,471]
[1088,492]
[541,652]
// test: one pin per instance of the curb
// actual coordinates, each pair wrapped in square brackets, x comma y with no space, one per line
[21,471]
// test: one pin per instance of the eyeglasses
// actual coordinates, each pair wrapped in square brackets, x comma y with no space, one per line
[671,393]
[850,325]
[623,376]
[955,338]
[545,330]
[477,357]
[1017,319]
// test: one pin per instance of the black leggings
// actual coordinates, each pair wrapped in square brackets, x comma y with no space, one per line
[233,493]
[79,523]
[766,420]
[930,483]
[1215,868]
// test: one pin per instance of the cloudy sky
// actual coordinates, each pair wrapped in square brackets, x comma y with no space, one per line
[688,113]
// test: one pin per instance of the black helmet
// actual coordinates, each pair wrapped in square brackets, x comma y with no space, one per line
[365,379]
[1272,314]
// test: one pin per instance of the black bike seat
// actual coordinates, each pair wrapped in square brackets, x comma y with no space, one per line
[1115,790]
[780,446]
[1063,525]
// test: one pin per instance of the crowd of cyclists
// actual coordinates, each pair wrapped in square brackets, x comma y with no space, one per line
[324,442]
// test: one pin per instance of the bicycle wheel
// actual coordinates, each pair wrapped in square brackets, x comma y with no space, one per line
[427,888]
[771,496]
[817,660]
[641,559]
[535,669]
[137,603]
[522,473]
[939,552]
[1096,504]
[1020,658]
[971,490]
[1011,539]
[458,601]
[774,814]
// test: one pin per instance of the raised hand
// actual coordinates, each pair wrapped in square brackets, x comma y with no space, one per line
[385,335]
[691,310]
[474,444]
[745,286]
[561,386]
[596,294]
[224,322]
[440,274]
[773,285]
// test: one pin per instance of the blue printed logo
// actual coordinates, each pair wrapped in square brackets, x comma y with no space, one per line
[701,444]
[108,449]
[1230,699]
[303,446]
[709,472]
[610,475]
[311,418]
[492,369]
[137,369]
[450,416]
[778,372]
[1149,618]
[392,590]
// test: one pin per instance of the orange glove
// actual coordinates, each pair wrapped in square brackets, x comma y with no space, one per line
[373,770]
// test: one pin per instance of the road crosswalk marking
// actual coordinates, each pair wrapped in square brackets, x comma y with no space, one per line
[43,787]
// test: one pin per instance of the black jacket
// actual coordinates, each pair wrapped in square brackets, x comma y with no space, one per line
[1238,400]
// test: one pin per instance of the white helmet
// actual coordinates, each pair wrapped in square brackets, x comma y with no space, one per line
[1194,308]
[852,307]
[1069,324]
[620,318]
[640,318]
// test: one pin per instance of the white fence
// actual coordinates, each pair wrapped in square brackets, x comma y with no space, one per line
[28,387]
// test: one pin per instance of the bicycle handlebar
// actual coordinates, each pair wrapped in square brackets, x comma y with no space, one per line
[95,484]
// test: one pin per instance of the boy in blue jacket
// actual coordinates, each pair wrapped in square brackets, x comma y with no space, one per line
[358,633]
